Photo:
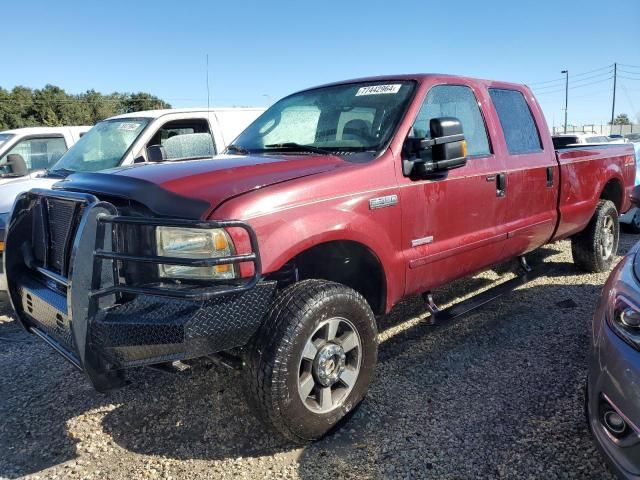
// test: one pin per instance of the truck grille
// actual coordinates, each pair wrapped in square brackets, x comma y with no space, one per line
[55,226]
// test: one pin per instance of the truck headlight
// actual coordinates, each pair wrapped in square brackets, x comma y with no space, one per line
[625,321]
[195,243]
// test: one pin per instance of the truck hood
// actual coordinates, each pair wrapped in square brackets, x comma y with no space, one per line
[11,189]
[194,188]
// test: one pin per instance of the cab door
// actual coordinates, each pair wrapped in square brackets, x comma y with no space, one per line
[531,170]
[453,225]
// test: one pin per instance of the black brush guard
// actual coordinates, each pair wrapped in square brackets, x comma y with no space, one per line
[100,323]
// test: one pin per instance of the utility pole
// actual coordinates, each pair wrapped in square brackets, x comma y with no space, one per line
[208,91]
[566,98]
[613,105]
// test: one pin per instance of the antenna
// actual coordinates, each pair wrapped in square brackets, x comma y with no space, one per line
[208,92]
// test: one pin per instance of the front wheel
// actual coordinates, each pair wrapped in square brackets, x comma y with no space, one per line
[595,247]
[311,362]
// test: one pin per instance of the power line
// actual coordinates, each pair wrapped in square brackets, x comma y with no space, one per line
[84,100]
[629,66]
[633,74]
[626,93]
[599,75]
[549,93]
[592,83]
[591,94]
[546,81]
[572,75]
[572,86]
[575,84]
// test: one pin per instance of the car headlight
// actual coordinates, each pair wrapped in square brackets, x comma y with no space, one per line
[625,321]
[195,243]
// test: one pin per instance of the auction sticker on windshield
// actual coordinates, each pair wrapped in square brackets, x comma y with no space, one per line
[378,89]
[128,127]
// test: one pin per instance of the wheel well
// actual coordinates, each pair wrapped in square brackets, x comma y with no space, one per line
[613,191]
[346,262]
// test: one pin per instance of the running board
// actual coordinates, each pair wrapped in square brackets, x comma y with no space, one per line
[483,298]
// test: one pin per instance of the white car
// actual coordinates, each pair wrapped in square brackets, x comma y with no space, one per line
[632,218]
[147,136]
[574,139]
[26,152]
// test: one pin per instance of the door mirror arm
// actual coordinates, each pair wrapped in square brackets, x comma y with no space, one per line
[445,150]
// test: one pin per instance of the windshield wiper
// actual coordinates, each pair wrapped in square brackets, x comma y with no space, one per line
[296,147]
[59,173]
[237,149]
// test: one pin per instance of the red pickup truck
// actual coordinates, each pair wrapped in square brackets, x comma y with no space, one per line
[330,208]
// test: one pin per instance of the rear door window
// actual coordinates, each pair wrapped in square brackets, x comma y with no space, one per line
[454,101]
[516,119]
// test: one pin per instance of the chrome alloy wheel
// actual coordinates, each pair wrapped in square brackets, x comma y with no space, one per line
[329,365]
[607,239]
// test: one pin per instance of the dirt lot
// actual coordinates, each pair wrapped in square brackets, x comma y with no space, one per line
[496,394]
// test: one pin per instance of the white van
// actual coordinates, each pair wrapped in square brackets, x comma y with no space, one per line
[147,136]
[26,152]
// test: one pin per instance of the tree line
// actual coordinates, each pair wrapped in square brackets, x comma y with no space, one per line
[622,119]
[51,106]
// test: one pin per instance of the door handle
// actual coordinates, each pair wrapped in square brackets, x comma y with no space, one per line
[549,176]
[501,184]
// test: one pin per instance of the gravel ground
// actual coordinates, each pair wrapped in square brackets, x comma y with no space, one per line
[496,394]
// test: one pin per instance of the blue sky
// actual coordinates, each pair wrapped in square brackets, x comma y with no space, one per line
[261,51]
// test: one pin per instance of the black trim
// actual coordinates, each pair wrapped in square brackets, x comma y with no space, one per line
[218,288]
[154,197]
[102,323]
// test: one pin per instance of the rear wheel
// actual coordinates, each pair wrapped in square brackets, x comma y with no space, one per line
[595,247]
[311,362]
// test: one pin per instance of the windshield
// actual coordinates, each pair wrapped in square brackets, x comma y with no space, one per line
[102,147]
[354,117]
[4,137]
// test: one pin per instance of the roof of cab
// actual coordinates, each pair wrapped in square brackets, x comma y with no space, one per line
[422,77]
[168,111]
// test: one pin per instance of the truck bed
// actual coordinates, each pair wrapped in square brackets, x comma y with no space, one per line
[582,168]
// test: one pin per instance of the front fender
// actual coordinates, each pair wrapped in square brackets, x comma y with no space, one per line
[285,233]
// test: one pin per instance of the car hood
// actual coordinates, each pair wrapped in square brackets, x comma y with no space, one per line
[10,190]
[196,187]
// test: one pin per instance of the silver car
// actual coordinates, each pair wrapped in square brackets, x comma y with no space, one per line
[613,385]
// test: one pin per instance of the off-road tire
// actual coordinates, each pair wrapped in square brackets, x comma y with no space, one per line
[586,246]
[273,357]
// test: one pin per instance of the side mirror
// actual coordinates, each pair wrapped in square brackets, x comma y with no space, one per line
[16,165]
[156,153]
[445,150]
